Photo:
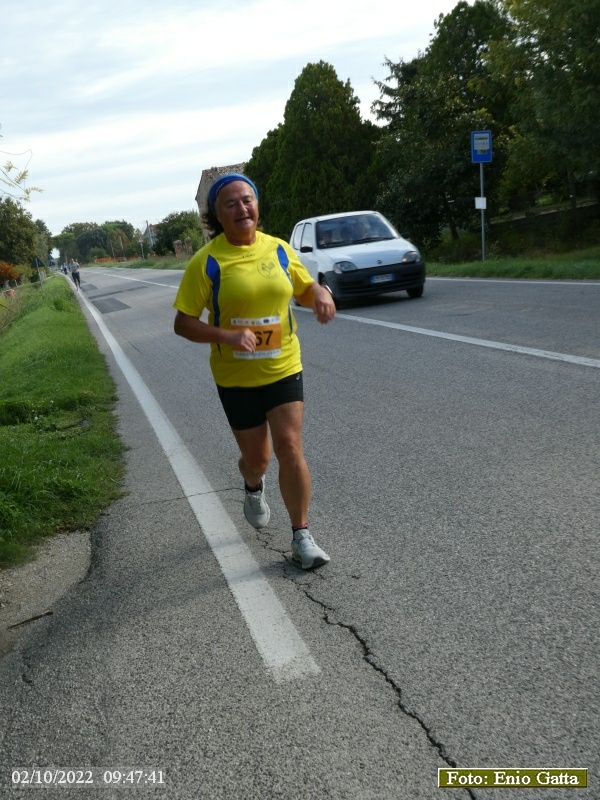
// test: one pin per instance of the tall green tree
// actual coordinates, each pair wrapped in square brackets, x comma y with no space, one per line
[324,152]
[65,243]
[43,241]
[555,58]
[121,240]
[431,104]
[120,225]
[93,237]
[18,233]
[460,49]
[77,230]
[261,167]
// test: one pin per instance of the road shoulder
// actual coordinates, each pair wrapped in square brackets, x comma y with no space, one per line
[30,591]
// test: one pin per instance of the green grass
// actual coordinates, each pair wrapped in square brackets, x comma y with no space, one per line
[10,308]
[576,265]
[61,458]
[446,262]
[156,262]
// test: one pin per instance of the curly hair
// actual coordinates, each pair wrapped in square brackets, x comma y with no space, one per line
[211,223]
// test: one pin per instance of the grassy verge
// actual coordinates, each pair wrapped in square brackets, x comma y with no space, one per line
[62,460]
[156,262]
[576,265]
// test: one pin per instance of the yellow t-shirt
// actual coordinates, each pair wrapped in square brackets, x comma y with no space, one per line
[248,286]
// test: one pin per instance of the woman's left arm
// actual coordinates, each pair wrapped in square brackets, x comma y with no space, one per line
[320,300]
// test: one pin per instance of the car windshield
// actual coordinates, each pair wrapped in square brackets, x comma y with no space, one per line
[352,230]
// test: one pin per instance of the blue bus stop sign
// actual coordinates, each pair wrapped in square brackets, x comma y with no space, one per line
[481,147]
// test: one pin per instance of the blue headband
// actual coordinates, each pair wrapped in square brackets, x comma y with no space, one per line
[223,181]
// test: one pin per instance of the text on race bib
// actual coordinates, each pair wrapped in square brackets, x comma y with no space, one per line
[267,331]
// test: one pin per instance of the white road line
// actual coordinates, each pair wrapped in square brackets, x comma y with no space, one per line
[136,280]
[520,281]
[453,337]
[510,348]
[283,651]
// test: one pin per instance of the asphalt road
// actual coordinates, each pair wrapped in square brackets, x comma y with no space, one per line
[453,443]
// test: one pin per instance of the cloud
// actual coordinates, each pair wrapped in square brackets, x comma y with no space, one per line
[125,102]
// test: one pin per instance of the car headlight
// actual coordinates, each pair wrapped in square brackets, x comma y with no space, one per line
[410,257]
[344,266]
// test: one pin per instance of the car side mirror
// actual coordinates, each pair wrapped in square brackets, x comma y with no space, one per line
[306,248]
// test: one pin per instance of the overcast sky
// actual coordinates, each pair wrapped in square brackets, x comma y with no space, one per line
[116,106]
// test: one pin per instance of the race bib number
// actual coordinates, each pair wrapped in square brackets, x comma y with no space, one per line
[267,331]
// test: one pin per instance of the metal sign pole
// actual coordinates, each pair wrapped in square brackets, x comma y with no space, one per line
[481,152]
[481,194]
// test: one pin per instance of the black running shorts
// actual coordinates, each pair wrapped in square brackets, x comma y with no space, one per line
[247,407]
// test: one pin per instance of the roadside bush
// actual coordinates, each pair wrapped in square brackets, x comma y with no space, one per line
[97,252]
[7,272]
[466,248]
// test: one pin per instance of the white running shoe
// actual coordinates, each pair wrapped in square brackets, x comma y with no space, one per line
[306,551]
[256,510]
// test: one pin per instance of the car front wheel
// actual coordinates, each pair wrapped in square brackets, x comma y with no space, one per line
[416,292]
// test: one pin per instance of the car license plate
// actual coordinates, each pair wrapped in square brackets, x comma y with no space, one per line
[381,278]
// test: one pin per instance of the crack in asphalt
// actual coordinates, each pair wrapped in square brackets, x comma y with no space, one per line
[263,537]
[369,659]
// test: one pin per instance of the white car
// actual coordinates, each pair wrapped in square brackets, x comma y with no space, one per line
[357,254]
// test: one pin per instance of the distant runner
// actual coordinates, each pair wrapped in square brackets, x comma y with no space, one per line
[74,267]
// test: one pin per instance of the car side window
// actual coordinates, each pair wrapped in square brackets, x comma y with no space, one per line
[296,236]
[307,236]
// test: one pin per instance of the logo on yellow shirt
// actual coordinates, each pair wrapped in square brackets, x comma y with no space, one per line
[269,270]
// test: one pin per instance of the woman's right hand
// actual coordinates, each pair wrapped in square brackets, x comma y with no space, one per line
[243,339]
